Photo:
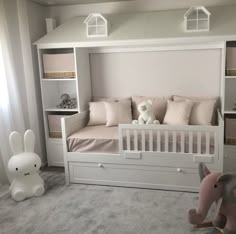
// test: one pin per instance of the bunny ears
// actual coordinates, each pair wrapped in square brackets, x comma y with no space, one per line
[17,144]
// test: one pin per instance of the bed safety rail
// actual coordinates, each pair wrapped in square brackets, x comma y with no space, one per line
[193,139]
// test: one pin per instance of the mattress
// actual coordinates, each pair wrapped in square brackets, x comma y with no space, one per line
[102,139]
[98,138]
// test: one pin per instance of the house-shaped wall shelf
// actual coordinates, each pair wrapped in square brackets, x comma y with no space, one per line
[197,19]
[96,25]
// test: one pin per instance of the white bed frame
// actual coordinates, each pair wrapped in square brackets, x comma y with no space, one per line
[154,168]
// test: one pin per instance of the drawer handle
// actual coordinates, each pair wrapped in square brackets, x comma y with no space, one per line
[100,165]
[179,170]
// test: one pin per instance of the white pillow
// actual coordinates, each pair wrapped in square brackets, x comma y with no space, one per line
[178,113]
[118,112]
[97,113]
[204,110]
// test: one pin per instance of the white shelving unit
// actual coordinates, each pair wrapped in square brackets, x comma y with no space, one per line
[229,110]
[52,89]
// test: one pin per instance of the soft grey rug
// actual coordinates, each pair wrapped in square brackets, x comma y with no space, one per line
[90,209]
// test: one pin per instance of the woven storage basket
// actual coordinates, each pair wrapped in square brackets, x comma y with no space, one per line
[54,125]
[59,66]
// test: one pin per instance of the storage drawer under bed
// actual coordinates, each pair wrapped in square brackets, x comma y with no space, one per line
[169,159]
[184,179]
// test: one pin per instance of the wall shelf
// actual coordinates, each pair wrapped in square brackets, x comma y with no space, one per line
[60,110]
[230,112]
[230,77]
[59,79]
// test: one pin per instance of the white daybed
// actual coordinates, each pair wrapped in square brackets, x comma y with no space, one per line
[147,156]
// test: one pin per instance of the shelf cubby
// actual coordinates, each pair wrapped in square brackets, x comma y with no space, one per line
[52,91]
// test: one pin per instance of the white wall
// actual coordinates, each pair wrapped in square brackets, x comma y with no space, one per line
[63,13]
[186,72]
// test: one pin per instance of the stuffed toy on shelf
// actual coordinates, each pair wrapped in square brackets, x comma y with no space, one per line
[146,114]
[24,166]
[67,102]
[216,188]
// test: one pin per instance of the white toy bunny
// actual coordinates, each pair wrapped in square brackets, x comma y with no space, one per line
[24,166]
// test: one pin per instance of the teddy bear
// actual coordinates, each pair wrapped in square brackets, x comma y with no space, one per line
[146,114]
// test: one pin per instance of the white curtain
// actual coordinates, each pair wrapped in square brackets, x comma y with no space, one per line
[11,108]
[18,105]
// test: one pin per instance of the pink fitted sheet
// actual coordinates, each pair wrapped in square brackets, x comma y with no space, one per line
[102,139]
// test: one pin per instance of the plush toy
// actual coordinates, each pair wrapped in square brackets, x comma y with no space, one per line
[24,166]
[67,102]
[146,114]
[219,188]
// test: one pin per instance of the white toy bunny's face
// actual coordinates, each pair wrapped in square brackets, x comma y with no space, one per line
[24,164]
[145,106]
[25,161]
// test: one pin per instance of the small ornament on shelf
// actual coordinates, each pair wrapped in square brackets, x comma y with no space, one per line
[67,102]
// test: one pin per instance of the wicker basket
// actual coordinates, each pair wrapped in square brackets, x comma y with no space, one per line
[59,66]
[59,75]
[54,125]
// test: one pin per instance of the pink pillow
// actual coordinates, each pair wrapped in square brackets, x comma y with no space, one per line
[97,113]
[178,113]
[204,109]
[118,112]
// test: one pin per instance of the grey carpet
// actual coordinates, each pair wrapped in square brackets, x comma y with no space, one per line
[93,209]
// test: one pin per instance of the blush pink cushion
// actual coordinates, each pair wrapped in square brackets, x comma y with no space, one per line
[97,113]
[118,112]
[178,113]
[204,109]
[159,105]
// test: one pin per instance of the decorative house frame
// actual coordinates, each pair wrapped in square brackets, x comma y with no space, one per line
[197,19]
[96,25]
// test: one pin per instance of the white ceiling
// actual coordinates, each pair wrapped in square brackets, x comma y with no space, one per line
[163,4]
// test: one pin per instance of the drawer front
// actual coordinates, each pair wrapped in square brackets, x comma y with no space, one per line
[168,159]
[55,153]
[134,176]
